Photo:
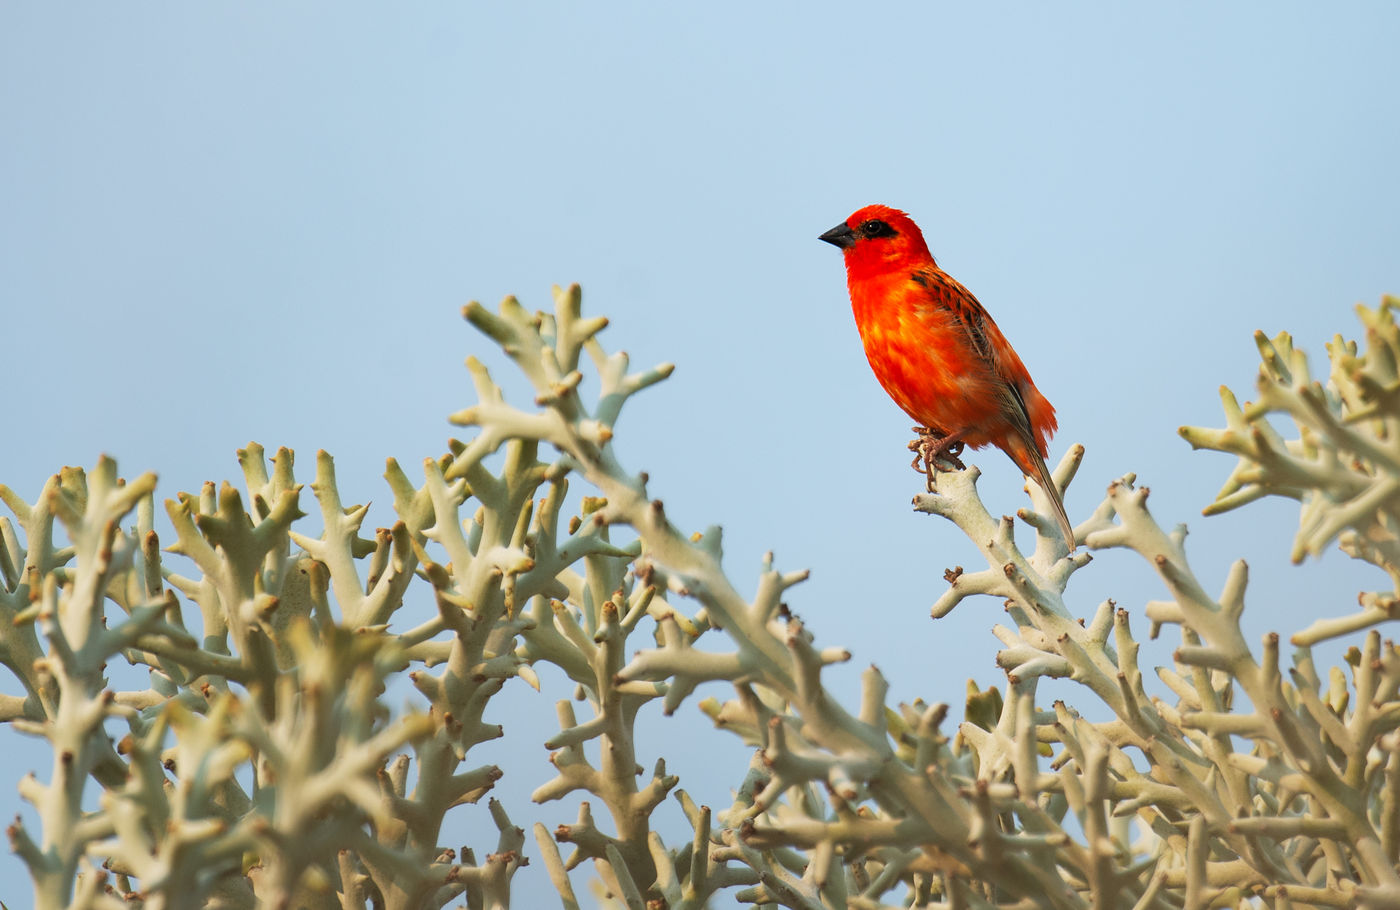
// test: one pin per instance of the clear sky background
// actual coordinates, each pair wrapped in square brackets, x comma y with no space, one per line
[230,222]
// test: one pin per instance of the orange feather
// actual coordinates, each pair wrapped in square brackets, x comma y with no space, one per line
[937,352]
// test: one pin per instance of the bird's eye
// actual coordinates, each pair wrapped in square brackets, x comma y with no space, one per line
[876,228]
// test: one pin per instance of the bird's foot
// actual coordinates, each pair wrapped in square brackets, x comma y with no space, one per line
[932,446]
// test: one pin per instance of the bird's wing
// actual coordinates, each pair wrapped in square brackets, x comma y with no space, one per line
[990,345]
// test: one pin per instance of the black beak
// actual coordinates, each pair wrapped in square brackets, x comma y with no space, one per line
[841,236]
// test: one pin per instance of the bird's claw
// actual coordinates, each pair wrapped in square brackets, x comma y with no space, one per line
[931,446]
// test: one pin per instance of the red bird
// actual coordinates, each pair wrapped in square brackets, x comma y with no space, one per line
[937,352]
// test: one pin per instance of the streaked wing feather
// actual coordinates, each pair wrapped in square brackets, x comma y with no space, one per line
[973,318]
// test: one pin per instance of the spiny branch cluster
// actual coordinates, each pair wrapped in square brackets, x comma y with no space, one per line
[261,766]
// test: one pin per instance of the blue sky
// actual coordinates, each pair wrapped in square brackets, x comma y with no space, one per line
[225,222]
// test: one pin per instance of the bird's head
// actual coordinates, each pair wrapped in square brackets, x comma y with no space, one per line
[878,239]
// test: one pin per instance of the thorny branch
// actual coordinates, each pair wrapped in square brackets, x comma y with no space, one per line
[262,767]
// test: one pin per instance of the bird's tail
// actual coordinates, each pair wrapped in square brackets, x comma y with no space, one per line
[1029,460]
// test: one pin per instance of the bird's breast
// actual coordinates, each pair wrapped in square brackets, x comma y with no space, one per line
[924,358]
